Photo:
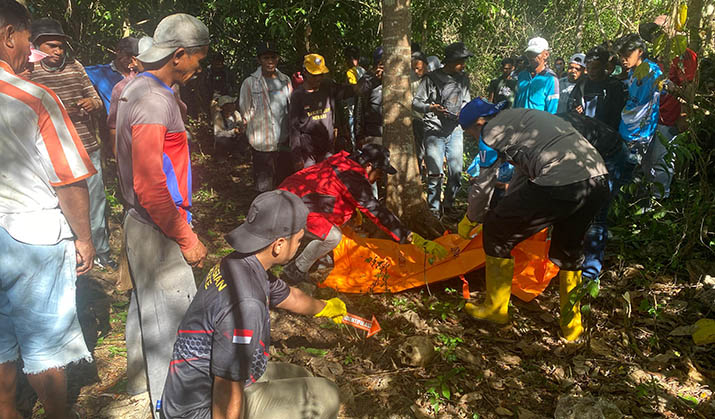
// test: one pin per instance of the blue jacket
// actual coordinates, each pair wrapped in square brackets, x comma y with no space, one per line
[540,92]
[104,77]
[639,118]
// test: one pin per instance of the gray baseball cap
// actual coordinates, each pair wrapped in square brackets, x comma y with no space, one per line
[272,215]
[175,31]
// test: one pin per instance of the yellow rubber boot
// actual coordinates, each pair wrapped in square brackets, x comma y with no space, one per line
[568,280]
[499,272]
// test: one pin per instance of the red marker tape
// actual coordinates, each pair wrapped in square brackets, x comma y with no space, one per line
[370,326]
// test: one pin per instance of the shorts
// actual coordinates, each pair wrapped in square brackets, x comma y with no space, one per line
[38,313]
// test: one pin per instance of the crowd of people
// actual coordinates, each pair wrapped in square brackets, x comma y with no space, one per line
[555,146]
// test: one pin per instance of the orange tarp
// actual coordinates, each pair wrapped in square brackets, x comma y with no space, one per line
[364,265]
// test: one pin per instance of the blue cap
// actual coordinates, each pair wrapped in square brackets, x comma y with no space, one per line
[476,109]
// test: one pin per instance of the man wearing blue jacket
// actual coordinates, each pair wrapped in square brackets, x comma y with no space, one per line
[537,86]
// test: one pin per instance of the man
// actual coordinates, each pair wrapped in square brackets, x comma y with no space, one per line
[264,102]
[537,86]
[155,179]
[105,76]
[135,68]
[353,74]
[559,65]
[560,180]
[574,72]
[503,87]
[312,111]
[227,126]
[599,95]
[639,118]
[419,70]
[368,109]
[45,239]
[440,96]
[67,78]
[335,189]
[220,366]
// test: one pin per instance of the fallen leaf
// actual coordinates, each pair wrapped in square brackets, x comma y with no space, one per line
[501,411]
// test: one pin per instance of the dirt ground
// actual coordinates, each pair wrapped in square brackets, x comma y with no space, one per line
[637,358]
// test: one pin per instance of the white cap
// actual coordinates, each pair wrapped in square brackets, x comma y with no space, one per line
[173,32]
[537,45]
[578,58]
[144,44]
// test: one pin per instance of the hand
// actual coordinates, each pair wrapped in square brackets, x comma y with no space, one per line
[335,309]
[465,227]
[379,71]
[437,108]
[85,252]
[430,247]
[88,104]
[195,255]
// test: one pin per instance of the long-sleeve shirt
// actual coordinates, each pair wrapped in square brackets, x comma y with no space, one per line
[603,100]
[448,90]
[540,91]
[153,158]
[71,83]
[266,110]
[639,118]
[543,148]
[104,77]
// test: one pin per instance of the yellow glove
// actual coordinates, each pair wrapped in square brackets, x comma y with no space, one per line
[357,218]
[430,247]
[335,309]
[465,227]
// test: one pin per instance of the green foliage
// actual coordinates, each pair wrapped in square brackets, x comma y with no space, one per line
[438,389]
[315,352]
[448,345]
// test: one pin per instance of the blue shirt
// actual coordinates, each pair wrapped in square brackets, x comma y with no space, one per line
[540,92]
[639,118]
[104,77]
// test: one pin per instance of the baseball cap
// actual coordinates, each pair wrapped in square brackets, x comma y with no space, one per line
[456,51]
[46,27]
[537,45]
[578,58]
[144,44]
[378,156]
[315,64]
[266,47]
[130,45]
[476,109]
[272,215]
[222,100]
[175,31]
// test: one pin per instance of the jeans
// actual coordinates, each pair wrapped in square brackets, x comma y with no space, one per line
[164,287]
[437,149]
[317,249]
[597,234]
[97,207]
[418,130]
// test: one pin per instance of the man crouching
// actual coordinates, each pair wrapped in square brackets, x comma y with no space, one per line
[220,366]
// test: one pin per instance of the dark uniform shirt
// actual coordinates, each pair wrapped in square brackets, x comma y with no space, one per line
[225,332]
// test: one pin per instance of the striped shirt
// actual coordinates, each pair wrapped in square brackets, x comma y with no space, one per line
[39,150]
[267,124]
[71,84]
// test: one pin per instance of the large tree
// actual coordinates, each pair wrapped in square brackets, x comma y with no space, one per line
[405,193]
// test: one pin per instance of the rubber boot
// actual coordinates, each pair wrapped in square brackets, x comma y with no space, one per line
[568,280]
[499,273]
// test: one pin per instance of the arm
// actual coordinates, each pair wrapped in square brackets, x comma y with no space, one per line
[482,186]
[420,100]
[552,96]
[219,128]
[245,101]
[153,193]
[226,399]
[360,195]
[300,303]
[74,202]
[91,101]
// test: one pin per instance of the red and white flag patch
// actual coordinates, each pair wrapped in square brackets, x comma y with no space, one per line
[242,336]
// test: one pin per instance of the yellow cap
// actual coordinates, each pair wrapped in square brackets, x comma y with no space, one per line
[315,64]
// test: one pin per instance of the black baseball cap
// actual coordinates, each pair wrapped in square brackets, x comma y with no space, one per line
[272,215]
[46,27]
[266,47]
[378,156]
[456,51]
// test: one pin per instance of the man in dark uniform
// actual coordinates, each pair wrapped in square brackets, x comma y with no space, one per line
[220,366]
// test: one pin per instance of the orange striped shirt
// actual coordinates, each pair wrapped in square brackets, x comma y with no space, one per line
[39,151]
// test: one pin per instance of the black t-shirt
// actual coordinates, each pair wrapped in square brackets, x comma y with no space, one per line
[603,100]
[503,90]
[225,332]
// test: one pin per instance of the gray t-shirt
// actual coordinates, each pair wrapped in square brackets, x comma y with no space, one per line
[543,148]
[279,106]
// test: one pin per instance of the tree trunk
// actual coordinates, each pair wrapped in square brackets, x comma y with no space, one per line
[405,195]
[579,26]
